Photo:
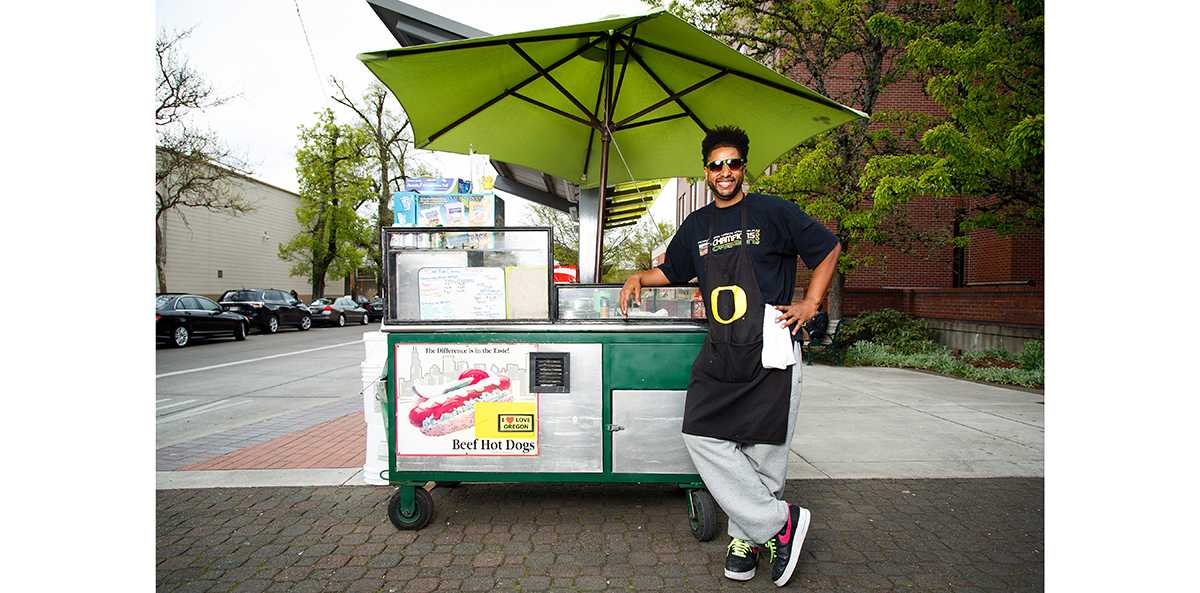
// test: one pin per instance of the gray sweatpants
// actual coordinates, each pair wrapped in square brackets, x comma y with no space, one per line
[747,479]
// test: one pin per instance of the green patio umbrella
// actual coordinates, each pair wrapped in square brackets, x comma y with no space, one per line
[613,101]
[648,87]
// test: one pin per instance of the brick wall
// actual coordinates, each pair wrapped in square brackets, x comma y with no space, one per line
[992,258]
[1007,305]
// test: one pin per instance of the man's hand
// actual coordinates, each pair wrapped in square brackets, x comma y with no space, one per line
[796,313]
[632,288]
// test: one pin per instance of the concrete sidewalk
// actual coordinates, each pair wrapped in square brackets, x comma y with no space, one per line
[854,422]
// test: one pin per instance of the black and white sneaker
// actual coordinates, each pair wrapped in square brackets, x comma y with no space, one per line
[741,560]
[785,545]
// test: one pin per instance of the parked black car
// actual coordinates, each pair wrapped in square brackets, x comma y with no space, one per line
[374,307]
[377,309]
[268,308]
[339,311]
[180,317]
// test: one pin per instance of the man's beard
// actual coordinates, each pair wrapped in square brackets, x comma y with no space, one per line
[733,192]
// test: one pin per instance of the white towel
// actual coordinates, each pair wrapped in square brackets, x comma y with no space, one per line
[777,351]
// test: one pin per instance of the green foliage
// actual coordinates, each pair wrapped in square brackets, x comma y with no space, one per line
[334,182]
[982,62]
[564,231]
[989,354]
[942,361]
[1033,356]
[889,328]
[812,41]
[631,247]
[626,249]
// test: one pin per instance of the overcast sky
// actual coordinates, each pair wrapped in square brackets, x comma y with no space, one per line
[257,50]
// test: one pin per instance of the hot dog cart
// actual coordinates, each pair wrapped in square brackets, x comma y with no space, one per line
[496,374]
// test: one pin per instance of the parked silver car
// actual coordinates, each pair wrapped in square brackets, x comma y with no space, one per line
[339,311]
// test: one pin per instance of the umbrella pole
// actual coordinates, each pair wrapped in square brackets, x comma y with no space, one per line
[605,138]
[600,205]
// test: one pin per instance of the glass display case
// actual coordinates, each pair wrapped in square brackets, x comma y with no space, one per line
[467,274]
[598,302]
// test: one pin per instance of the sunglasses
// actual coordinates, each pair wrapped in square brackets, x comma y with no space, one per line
[717,165]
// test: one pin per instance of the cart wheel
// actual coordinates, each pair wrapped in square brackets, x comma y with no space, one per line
[421,514]
[702,514]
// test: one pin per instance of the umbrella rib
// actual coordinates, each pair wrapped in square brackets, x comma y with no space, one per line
[657,120]
[624,66]
[468,44]
[815,97]
[507,92]
[587,156]
[538,67]
[629,50]
[675,97]
[552,109]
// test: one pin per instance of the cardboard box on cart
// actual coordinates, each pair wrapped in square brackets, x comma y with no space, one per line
[440,210]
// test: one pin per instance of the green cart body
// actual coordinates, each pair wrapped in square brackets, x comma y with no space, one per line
[624,392]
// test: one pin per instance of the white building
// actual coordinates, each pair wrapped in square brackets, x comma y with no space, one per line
[215,251]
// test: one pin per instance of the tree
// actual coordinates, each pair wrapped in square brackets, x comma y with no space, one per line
[565,232]
[390,145]
[983,63]
[817,40]
[332,170]
[626,249]
[631,248]
[193,168]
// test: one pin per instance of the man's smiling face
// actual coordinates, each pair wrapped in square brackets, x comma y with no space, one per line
[725,183]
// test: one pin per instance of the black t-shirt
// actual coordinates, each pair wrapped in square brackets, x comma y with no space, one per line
[778,232]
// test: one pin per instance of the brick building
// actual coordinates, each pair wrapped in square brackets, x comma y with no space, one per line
[989,294]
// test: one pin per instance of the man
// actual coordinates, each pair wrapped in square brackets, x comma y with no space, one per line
[739,416]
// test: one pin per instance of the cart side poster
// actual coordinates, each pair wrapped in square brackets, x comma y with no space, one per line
[465,400]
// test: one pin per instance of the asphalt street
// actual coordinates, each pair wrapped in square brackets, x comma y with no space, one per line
[219,384]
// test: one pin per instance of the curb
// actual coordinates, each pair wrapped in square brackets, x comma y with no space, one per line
[257,478]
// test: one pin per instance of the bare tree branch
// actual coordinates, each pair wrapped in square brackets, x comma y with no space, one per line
[193,168]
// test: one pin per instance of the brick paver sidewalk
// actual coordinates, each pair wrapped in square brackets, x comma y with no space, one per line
[867,535]
[340,442]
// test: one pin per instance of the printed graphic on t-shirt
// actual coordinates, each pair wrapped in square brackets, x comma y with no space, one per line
[729,240]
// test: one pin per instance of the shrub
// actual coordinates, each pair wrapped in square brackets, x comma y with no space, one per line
[1033,356]
[865,353]
[889,327]
[990,353]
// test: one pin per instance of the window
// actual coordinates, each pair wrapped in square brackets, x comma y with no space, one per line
[273,296]
[187,303]
[242,296]
[207,304]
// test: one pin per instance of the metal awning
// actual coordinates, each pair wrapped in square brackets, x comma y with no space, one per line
[624,204]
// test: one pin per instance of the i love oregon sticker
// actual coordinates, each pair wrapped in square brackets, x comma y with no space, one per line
[506,420]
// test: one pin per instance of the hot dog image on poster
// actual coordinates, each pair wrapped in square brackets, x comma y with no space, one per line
[465,400]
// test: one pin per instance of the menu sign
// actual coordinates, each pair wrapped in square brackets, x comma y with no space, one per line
[461,293]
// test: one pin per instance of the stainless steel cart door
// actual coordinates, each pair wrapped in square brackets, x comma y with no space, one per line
[646,432]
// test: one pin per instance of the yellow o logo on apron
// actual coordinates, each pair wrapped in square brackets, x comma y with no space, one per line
[739,303]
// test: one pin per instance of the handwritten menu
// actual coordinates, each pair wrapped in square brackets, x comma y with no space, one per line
[461,293]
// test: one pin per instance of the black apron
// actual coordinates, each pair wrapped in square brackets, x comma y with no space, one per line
[731,395]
